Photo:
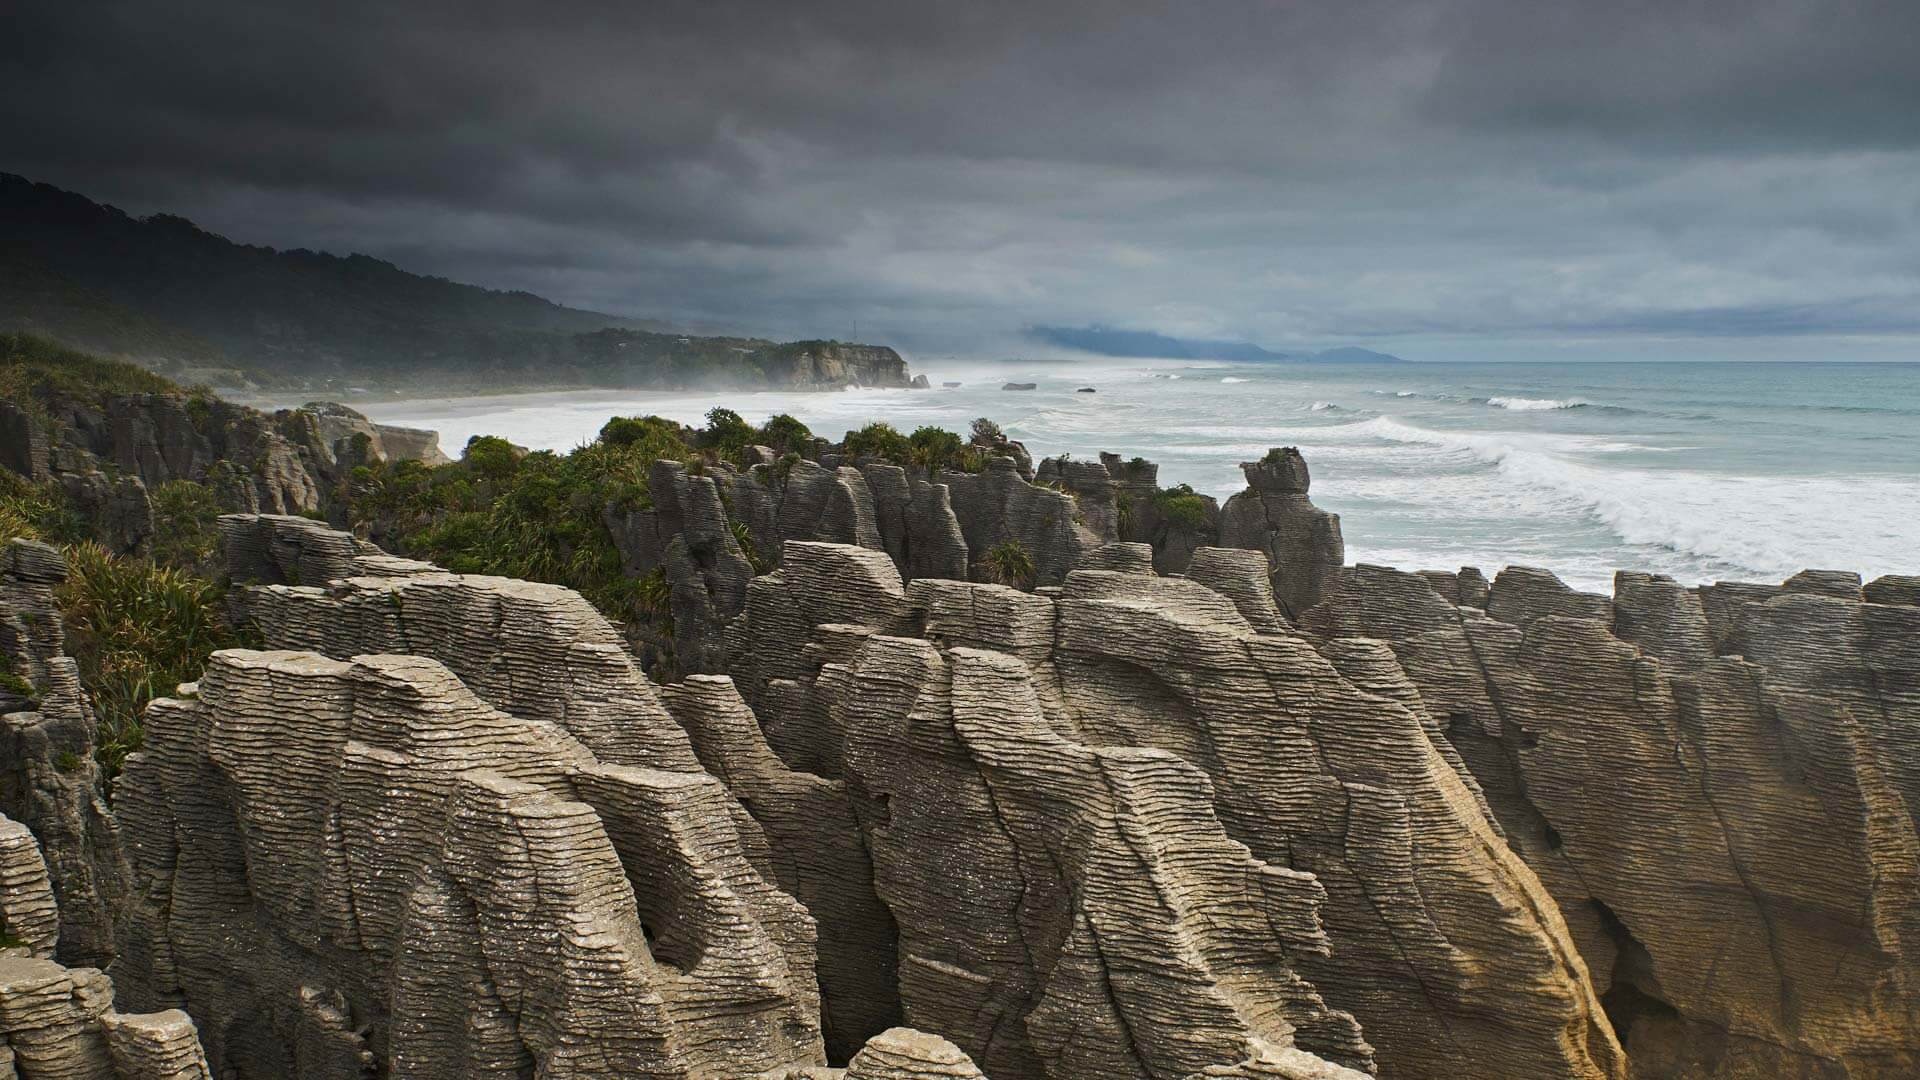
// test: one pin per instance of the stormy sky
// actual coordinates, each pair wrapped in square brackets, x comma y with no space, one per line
[1444,179]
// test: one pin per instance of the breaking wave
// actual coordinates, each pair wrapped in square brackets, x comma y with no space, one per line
[1769,525]
[1523,404]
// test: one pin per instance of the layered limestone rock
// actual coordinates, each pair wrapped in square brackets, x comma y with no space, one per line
[57,1022]
[1274,516]
[1094,493]
[996,507]
[1142,517]
[49,781]
[109,452]
[817,853]
[1730,837]
[951,751]
[542,652]
[350,862]
[957,713]
[337,428]
[897,1054]
[29,918]
[831,365]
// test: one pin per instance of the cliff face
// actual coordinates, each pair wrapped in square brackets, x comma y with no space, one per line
[111,453]
[831,365]
[1741,883]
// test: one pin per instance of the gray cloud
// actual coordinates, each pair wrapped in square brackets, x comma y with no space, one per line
[1401,174]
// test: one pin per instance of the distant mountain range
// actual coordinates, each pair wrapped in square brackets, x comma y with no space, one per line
[1107,341]
[198,306]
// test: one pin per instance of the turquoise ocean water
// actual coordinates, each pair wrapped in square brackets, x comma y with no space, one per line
[1705,471]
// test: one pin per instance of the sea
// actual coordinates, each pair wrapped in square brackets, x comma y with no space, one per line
[1702,471]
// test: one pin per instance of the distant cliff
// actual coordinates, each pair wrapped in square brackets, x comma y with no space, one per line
[195,305]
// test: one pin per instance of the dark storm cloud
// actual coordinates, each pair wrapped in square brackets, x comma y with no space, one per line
[946,173]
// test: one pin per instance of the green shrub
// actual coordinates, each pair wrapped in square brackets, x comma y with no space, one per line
[136,631]
[34,370]
[783,433]
[186,531]
[931,449]
[1008,564]
[36,512]
[878,439]
[726,432]
[1181,505]
[490,457]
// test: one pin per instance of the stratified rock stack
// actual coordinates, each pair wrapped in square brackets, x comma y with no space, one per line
[1730,837]
[1143,519]
[59,1022]
[950,751]
[49,781]
[996,507]
[1274,516]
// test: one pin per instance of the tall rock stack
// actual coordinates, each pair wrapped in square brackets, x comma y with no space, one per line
[49,781]
[1274,516]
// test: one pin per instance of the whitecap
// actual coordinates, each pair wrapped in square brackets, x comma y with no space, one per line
[1522,404]
[1771,526]
[1321,406]
[1232,379]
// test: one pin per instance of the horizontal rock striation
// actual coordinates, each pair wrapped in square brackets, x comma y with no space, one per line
[1107,926]
[1716,785]
[350,862]
[953,711]
[49,781]
[1302,543]
[57,1022]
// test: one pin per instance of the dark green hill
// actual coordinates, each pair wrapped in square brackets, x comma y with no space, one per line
[183,300]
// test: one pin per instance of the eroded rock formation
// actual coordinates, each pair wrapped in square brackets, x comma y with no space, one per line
[1715,785]
[49,781]
[59,1023]
[1274,516]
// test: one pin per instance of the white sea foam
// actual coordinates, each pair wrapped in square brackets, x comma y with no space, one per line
[1231,379]
[1769,525]
[1524,404]
[1321,406]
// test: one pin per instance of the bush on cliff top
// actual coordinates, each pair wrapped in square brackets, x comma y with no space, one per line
[137,631]
[34,369]
[1181,505]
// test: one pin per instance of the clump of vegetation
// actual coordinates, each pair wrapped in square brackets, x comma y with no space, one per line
[186,531]
[1181,505]
[986,433]
[878,439]
[1008,563]
[31,511]
[137,631]
[34,370]
[784,434]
